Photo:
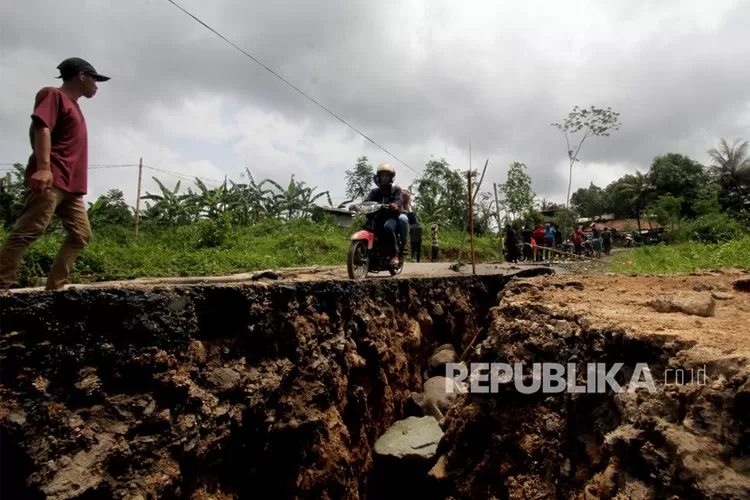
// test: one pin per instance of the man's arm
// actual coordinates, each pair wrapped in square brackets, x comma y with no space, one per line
[44,119]
[42,146]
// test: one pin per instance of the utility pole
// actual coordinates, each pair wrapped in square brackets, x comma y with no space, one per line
[471,219]
[499,224]
[138,197]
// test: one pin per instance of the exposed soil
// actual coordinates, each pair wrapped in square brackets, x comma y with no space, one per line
[279,390]
[687,440]
[272,390]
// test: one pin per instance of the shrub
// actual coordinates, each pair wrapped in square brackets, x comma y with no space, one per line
[710,228]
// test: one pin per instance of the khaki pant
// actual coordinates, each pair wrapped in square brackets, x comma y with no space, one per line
[31,225]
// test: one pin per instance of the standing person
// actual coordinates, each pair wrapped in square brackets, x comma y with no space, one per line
[539,237]
[435,243]
[511,241]
[596,239]
[607,240]
[577,238]
[526,236]
[549,234]
[405,218]
[56,176]
[415,232]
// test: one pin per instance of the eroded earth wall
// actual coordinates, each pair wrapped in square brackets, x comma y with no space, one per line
[247,391]
[688,439]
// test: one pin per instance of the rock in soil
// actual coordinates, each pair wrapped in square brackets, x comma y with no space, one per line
[437,397]
[705,307]
[441,356]
[413,437]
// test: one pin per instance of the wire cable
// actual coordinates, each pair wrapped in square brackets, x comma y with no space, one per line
[291,85]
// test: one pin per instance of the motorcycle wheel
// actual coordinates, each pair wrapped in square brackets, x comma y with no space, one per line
[588,252]
[358,260]
[521,254]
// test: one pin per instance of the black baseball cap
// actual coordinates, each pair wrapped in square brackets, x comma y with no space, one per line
[74,65]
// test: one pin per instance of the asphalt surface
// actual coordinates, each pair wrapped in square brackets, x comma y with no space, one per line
[410,270]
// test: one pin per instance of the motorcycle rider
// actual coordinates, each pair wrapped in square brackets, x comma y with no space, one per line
[387,192]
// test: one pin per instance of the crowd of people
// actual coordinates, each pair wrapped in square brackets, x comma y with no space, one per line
[543,242]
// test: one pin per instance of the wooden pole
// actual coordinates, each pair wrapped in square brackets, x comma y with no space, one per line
[499,224]
[138,197]
[471,219]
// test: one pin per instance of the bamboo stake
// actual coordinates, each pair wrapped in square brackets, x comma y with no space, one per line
[138,198]
[471,219]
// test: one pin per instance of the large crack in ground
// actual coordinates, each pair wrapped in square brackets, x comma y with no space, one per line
[281,391]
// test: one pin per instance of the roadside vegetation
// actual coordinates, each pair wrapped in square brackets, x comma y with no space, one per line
[247,226]
[207,249]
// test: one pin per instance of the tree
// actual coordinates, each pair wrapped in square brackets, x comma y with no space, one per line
[12,194]
[442,195]
[679,176]
[593,122]
[731,169]
[519,197]
[616,202]
[665,210]
[359,180]
[110,209]
[639,191]
[707,201]
[590,201]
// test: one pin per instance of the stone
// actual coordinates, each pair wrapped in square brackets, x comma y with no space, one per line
[413,437]
[437,396]
[441,356]
[722,296]
[705,306]
[704,287]
[89,382]
[265,276]
[197,352]
[224,379]
[438,471]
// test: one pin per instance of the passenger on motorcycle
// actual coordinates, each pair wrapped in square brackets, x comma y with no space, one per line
[387,192]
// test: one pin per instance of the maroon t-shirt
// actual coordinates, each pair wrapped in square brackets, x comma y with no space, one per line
[69,152]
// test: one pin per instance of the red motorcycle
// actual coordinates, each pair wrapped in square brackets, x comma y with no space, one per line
[369,252]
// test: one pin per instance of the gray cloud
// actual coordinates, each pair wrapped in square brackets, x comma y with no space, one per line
[393,72]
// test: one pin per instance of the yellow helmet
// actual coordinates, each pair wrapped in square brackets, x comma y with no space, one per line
[384,167]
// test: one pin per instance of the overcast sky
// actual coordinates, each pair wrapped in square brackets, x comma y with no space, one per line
[420,78]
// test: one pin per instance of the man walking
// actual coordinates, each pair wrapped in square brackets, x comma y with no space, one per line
[415,232]
[56,174]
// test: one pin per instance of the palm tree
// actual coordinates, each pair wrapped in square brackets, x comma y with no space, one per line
[639,190]
[731,168]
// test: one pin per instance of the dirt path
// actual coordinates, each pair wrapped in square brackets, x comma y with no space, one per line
[715,324]
[411,270]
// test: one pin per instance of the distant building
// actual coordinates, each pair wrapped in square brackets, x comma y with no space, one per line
[341,216]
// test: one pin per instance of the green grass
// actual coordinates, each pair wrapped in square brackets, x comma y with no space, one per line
[684,257]
[114,254]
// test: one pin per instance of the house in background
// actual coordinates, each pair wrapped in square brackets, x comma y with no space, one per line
[341,216]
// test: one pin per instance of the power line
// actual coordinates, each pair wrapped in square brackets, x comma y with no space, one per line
[291,85]
[109,165]
[182,175]
[179,175]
